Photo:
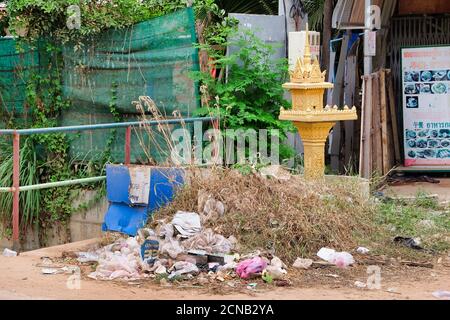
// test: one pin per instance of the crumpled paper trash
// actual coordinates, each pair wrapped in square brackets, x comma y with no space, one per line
[362,250]
[276,270]
[210,242]
[276,262]
[165,230]
[183,267]
[187,223]
[302,263]
[87,257]
[340,259]
[250,267]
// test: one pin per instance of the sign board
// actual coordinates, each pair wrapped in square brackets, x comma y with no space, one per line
[426,105]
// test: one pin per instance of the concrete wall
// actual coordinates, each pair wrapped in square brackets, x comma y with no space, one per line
[83,225]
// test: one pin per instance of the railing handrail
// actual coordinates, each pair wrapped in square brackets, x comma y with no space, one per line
[102,126]
[16,133]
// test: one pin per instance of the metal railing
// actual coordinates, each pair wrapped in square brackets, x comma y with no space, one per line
[17,188]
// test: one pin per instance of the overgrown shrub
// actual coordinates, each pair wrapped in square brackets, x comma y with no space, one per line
[252,95]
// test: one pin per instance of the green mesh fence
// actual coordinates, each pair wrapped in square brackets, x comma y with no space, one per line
[16,69]
[154,58]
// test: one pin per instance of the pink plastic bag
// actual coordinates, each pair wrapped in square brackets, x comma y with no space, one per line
[250,267]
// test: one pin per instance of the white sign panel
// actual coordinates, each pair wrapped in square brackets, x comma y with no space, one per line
[426,105]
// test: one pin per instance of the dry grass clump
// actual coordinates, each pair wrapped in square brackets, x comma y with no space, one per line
[291,219]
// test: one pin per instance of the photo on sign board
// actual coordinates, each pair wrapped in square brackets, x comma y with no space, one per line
[424,87]
[411,154]
[434,133]
[410,134]
[426,76]
[411,89]
[411,143]
[412,102]
[422,144]
[425,133]
[411,76]
[443,154]
[444,133]
[445,143]
[439,75]
[439,88]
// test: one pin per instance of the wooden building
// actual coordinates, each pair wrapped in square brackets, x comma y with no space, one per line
[378,141]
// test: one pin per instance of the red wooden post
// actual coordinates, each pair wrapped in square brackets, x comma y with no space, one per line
[16,185]
[128,146]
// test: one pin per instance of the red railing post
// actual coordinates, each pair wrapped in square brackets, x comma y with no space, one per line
[16,185]
[128,146]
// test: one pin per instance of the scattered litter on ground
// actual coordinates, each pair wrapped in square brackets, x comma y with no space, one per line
[181,268]
[9,253]
[252,286]
[413,243]
[274,273]
[360,284]
[50,271]
[251,267]
[362,250]
[192,238]
[340,259]
[393,290]
[441,294]
[85,257]
[303,263]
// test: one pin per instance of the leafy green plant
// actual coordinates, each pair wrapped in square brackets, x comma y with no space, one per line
[30,201]
[252,95]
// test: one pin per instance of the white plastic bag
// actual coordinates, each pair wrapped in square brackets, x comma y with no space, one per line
[340,259]
[9,253]
[172,247]
[187,223]
[302,263]
[87,257]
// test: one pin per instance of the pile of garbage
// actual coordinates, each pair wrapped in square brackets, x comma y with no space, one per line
[187,244]
[275,210]
[180,248]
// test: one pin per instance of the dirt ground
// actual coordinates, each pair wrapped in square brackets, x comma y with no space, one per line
[21,278]
[441,189]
